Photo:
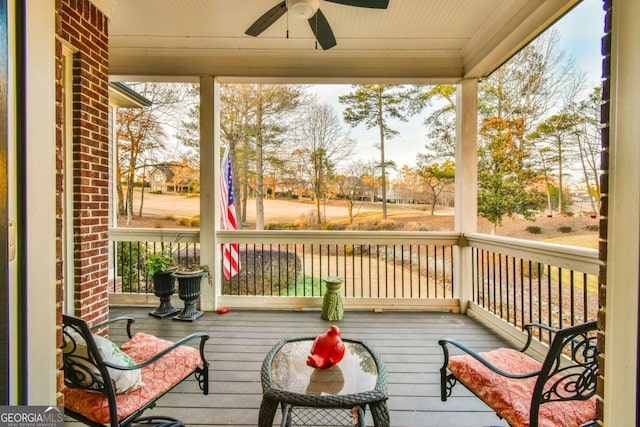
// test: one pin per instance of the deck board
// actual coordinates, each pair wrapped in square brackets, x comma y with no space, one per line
[240,339]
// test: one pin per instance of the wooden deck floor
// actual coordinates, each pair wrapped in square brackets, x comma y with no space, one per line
[406,341]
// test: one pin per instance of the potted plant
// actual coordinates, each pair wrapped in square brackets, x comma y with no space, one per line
[189,278]
[161,266]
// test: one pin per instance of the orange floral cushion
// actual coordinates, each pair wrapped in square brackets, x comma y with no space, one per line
[157,377]
[511,398]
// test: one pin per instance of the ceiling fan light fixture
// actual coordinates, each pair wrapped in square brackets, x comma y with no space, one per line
[303,8]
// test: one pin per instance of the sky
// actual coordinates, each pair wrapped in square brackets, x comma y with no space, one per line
[577,38]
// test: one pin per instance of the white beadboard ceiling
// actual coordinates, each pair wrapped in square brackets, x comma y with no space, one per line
[412,41]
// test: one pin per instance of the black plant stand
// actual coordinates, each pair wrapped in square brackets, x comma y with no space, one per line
[164,285]
[189,292]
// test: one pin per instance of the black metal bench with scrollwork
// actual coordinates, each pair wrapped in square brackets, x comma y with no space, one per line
[559,391]
[113,385]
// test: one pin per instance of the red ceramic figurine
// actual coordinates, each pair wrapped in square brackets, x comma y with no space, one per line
[327,350]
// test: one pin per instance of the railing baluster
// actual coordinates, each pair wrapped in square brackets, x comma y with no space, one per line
[369,253]
[393,267]
[482,276]
[510,288]
[585,295]
[522,306]
[410,271]
[428,275]
[549,298]
[560,322]
[572,298]
[312,273]
[474,276]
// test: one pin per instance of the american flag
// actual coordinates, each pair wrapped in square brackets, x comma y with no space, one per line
[230,258]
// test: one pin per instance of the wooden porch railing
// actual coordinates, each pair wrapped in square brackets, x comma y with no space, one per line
[402,269]
[522,281]
[515,280]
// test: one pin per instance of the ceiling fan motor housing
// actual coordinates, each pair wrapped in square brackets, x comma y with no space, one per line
[303,8]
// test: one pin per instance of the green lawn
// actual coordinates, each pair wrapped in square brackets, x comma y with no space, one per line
[581,240]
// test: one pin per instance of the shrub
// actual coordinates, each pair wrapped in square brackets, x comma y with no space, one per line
[309,217]
[534,229]
[281,226]
[416,226]
[564,229]
[593,227]
[375,225]
[264,272]
[155,192]
[169,217]
[331,226]
[387,224]
[183,221]
[301,223]
[532,271]
[194,221]
[350,250]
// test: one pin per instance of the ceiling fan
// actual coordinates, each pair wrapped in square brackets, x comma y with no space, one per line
[310,10]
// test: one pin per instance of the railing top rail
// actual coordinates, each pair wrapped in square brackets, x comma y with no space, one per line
[171,235]
[571,257]
[179,235]
[340,237]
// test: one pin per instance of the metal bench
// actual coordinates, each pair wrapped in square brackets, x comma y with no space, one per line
[113,385]
[559,391]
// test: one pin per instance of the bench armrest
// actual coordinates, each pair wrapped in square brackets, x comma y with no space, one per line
[529,327]
[129,320]
[203,338]
[446,341]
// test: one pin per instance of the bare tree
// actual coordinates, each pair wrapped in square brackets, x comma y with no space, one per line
[537,82]
[141,135]
[352,185]
[321,143]
[236,116]
[554,132]
[272,107]
[138,134]
[589,145]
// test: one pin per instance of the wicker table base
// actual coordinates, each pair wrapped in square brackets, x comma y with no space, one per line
[358,381]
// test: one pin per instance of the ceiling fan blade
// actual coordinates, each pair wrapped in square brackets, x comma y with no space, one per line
[266,20]
[373,4]
[322,30]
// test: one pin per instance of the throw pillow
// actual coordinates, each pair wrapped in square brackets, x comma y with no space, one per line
[122,381]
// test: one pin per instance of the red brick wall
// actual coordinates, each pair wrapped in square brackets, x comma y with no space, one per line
[604,207]
[81,26]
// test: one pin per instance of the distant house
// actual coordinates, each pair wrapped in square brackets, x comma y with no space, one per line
[159,177]
[173,177]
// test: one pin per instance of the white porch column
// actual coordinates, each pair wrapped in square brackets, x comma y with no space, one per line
[40,242]
[209,158]
[621,343]
[466,183]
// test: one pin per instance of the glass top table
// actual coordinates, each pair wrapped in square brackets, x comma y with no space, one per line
[358,380]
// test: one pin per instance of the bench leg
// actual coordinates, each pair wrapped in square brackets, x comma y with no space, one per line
[160,421]
[202,375]
[447,382]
